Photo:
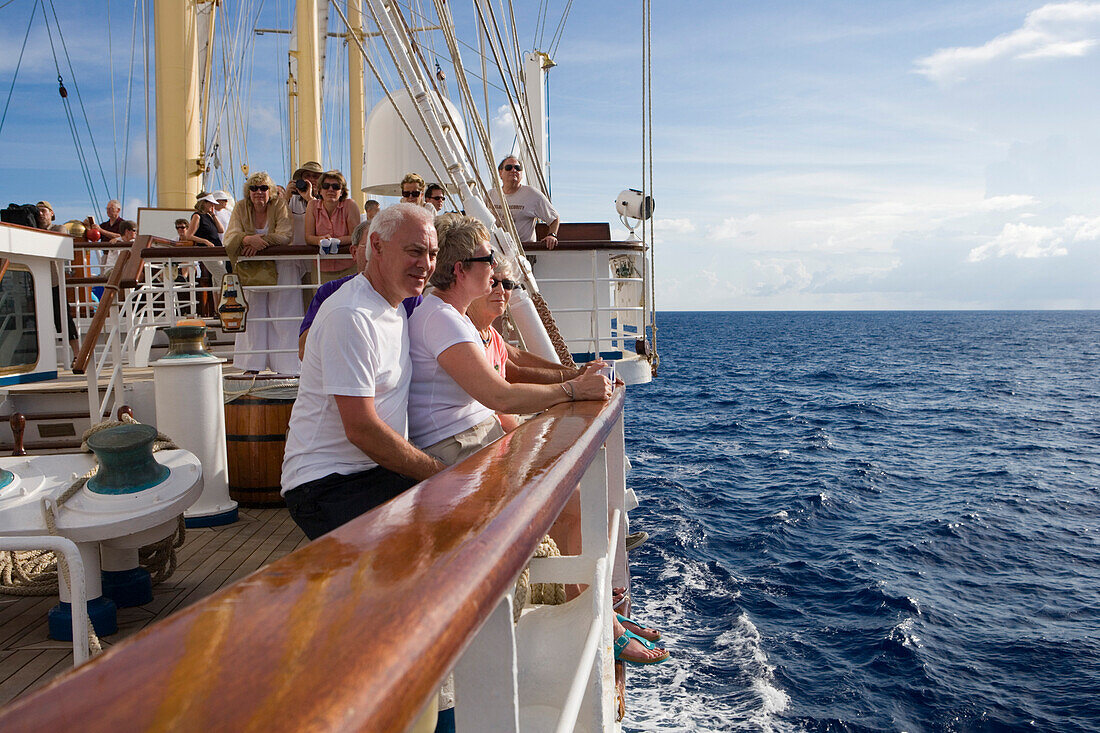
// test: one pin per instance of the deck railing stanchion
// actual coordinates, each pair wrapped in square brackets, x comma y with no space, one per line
[486,676]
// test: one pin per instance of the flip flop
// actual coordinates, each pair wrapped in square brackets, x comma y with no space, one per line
[639,630]
[620,648]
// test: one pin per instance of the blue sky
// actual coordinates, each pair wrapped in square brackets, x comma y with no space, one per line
[822,155]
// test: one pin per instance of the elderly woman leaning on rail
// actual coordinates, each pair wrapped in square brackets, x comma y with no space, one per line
[333,216]
[260,221]
[518,366]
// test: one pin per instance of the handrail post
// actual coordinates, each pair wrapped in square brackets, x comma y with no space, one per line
[486,676]
[616,500]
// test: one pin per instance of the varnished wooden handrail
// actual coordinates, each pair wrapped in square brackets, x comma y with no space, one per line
[354,631]
[126,268]
[3,266]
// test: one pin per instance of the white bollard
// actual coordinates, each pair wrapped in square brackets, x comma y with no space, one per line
[191,410]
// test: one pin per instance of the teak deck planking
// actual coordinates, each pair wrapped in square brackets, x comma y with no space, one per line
[209,559]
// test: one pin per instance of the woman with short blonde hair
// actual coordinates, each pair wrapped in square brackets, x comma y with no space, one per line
[259,221]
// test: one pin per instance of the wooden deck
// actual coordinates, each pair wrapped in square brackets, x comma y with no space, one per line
[208,560]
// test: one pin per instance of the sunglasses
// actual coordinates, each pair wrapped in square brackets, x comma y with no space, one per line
[506,284]
[257,188]
[181,227]
[409,194]
[437,198]
[484,258]
[333,186]
[516,167]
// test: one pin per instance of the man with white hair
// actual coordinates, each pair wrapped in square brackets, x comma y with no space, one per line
[347,449]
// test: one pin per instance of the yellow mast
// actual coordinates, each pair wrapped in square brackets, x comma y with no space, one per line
[179,172]
[305,86]
[356,108]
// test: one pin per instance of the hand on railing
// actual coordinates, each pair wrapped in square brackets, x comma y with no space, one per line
[591,385]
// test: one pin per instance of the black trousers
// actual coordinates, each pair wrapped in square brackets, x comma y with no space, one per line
[322,505]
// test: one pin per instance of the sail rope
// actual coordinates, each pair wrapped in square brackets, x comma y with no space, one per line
[385,88]
[506,222]
[522,122]
[114,107]
[76,87]
[560,29]
[18,64]
[85,168]
[647,157]
[129,102]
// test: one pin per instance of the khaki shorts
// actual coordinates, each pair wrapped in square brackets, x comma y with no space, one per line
[461,445]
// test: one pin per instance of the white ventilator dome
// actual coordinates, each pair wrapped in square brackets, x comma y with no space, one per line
[390,152]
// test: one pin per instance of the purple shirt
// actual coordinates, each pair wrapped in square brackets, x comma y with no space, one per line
[331,287]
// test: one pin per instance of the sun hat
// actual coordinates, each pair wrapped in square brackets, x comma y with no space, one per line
[310,166]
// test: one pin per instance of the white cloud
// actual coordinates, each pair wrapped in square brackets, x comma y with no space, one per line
[734,227]
[776,276]
[675,226]
[1022,241]
[1007,203]
[1085,229]
[1056,30]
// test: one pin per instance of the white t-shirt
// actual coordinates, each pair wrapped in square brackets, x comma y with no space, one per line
[438,407]
[223,216]
[358,347]
[527,204]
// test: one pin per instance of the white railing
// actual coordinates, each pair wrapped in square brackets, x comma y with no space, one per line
[598,310]
[159,301]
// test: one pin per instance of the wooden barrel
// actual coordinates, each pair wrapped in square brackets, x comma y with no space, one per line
[255,438]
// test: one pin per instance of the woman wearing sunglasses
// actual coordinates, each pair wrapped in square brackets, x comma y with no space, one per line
[527,205]
[333,216]
[260,221]
[514,364]
[455,393]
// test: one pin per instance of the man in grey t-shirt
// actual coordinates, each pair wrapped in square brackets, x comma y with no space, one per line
[526,204]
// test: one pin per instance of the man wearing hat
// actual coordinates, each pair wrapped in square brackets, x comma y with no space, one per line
[223,208]
[46,217]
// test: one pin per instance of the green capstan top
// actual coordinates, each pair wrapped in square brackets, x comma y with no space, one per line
[126,463]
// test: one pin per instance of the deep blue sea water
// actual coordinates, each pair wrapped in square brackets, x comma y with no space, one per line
[884,521]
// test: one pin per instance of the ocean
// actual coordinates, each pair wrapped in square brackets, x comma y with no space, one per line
[869,521]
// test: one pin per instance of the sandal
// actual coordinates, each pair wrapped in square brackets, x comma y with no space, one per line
[638,630]
[623,597]
[621,653]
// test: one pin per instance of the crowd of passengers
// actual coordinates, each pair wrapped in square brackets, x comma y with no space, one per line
[402,370]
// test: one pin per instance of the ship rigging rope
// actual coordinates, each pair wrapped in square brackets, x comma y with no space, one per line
[129,104]
[513,93]
[18,64]
[556,39]
[36,572]
[541,307]
[647,49]
[85,166]
[385,88]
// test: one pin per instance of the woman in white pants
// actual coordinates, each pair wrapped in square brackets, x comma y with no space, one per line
[260,221]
